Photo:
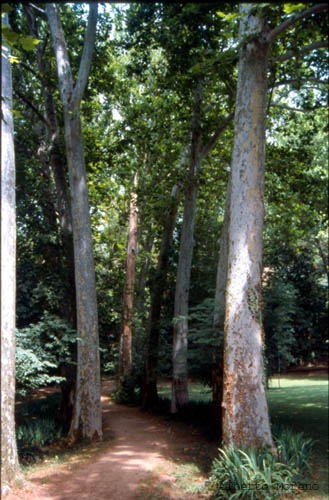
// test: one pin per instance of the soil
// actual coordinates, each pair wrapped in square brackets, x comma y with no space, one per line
[142,456]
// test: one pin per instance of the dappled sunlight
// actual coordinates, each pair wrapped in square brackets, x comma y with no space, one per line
[143,448]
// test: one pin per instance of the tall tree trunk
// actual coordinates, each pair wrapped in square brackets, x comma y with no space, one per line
[9,458]
[149,391]
[128,301]
[179,396]
[63,209]
[87,417]
[245,415]
[219,312]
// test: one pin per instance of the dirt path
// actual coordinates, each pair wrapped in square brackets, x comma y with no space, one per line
[144,449]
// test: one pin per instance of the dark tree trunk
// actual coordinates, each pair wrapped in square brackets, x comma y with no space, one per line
[149,390]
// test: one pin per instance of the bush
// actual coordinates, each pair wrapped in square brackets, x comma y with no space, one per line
[258,474]
[40,349]
[41,428]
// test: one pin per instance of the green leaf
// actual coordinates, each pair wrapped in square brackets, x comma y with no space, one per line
[227,17]
[29,43]
[288,8]
[220,14]
[9,35]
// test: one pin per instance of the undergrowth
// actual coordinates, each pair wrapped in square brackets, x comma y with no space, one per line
[40,427]
[258,474]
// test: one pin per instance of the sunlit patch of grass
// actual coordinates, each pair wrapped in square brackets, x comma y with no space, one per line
[197,392]
[302,404]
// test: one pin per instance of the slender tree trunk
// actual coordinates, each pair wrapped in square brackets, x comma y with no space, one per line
[128,301]
[179,396]
[245,411]
[149,392]
[140,292]
[9,458]
[219,312]
[87,417]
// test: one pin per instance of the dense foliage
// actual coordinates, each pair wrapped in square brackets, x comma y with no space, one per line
[136,116]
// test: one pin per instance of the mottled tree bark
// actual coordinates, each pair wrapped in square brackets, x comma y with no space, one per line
[128,300]
[245,411]
[87,417]
[9,458]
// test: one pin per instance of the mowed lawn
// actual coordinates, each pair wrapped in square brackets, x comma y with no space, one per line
[299,402]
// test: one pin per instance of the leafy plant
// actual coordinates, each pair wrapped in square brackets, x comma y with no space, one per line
[40,426]
[294,449]
[41,348]
[38,433]
[258,474]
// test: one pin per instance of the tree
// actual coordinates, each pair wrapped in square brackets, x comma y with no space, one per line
[245,413]
[128,301]
[9,457]
[57,163]
[199,151]
[149,392]
[219,311]
[87,419]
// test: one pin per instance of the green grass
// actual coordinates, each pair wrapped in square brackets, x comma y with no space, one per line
[302,404]
[197,392]
[298,402]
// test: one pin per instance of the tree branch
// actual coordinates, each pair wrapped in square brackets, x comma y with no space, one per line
[300,81]
[36,111]
[62,58]
[294,19]
[212,141]
[290,108]
[28,68]
[85,62]
[303,50]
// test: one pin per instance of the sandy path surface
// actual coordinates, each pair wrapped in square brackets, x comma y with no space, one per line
[141,443]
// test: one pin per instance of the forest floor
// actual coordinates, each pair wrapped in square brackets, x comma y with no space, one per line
[142,457]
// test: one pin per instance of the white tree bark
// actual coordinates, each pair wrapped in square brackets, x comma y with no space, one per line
[87,417]
[245,415]
[9,458]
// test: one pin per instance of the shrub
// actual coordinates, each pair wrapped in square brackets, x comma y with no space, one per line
[40,349]
[258,474]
